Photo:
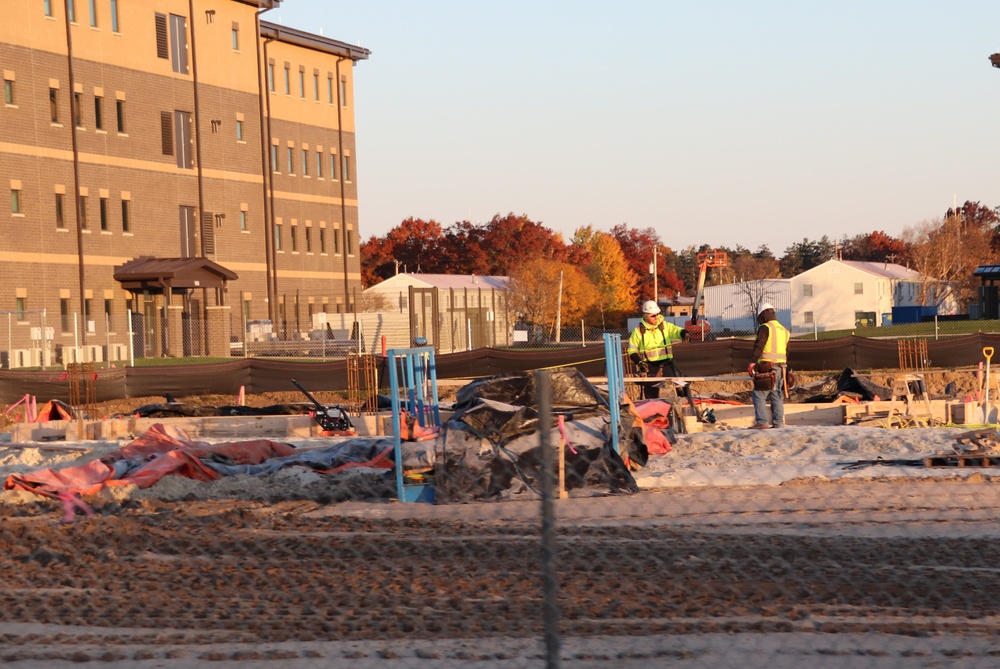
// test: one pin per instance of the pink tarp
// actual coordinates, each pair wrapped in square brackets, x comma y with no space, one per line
[165,452]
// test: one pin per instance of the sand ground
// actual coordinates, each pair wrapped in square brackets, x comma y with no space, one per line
[743,549]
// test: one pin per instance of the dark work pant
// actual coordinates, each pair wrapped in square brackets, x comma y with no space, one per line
[651,391]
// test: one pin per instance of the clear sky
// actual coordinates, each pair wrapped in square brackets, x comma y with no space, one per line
[722,123]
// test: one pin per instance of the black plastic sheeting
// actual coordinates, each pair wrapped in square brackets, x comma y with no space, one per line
[184,409]
[490,448]
[259,375]
[570,390]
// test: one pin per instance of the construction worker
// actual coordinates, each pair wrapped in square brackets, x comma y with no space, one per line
[767,369]
[650,348]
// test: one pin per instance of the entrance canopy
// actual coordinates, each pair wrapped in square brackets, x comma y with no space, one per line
[168,275]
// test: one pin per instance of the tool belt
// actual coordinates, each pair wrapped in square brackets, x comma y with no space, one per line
[764,376]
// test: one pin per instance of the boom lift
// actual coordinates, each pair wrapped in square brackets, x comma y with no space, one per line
[698,331]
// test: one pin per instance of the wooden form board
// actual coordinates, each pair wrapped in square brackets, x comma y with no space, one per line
[741,415]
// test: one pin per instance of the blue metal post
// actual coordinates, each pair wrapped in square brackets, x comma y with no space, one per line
[409,369]
[616,382]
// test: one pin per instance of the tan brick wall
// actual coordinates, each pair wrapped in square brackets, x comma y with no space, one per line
[37,254]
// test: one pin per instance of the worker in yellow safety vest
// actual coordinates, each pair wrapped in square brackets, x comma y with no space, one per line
[767,368]
[650,348]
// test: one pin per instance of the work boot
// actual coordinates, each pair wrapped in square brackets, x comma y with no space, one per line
[760,426]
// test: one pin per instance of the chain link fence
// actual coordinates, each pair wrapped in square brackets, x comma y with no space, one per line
[539,536]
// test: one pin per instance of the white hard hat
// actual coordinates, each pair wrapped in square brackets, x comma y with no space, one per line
[650,307]
[764,307]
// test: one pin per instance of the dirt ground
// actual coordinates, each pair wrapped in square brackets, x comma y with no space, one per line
[146,582]
[194,584]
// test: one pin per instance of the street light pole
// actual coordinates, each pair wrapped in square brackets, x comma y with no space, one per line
[652,270]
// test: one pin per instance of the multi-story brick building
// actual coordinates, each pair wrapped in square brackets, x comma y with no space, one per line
[191,131]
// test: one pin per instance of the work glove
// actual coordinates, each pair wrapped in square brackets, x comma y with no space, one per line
[635,358]
[642,368]
[751,368]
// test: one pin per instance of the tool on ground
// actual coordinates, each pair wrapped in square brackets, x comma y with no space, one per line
[332,418]
[988,352]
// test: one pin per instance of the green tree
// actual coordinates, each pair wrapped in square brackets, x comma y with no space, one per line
[805,255]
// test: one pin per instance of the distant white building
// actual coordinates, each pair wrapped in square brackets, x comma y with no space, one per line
[452,312]
[849,294]
[732,307]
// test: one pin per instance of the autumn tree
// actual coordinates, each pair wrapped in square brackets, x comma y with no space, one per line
[411,246]
[978,215]
[614,280]
[874,246]
[509,241]
[535,296]
[946,252]
[638,247]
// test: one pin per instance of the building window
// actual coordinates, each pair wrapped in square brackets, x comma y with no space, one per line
[64,314]
[22,307]
[8,91]
[333,166]
[289,160]
[239,131]
[288,80]
[114,16]
[126,218]
[243,220]
[309,244]
[104,213]
[71,11]
[316,86]
[346,171]
[349,241]
[54,104]
[87,310]
[93,13]
[270,77]
[277,237]
[859,289]
[120,113]
[343,91]
[60,217]
[322,242]
[171,41]
[47,6]
[176,140]
[15,201]
[305,163]
[336,242]
[329,89]
[78,109]
[807,290]
[107,312]
[274,158]
[294,238]
[99,112]
[82,203]
[236,37]
[302,84]
[808,317]
[319,165]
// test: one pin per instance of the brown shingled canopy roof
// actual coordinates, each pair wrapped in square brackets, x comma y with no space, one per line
[168,275]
